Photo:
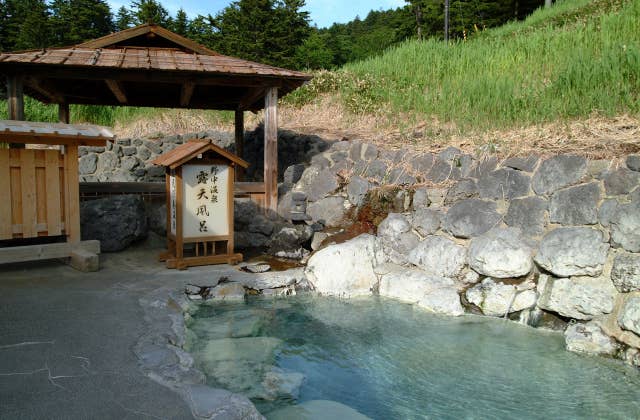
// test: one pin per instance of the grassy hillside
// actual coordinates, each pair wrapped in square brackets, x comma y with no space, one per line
[577,59]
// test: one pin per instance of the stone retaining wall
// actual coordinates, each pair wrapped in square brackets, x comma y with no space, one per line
[551,242]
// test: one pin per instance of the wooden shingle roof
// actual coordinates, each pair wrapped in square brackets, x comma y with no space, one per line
[53,133]
[147,66]
[191,149]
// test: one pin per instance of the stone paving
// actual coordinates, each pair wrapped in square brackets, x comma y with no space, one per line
[67,339]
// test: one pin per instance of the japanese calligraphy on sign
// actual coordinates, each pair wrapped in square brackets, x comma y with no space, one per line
[205,200]
[172,203]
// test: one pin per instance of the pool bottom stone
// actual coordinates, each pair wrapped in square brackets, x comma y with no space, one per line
[385,359]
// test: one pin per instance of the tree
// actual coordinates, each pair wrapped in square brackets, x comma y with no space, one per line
[27,25]
[150,11]
[267,31]
[76,21]
[314,53]
[124,19]
[181,23]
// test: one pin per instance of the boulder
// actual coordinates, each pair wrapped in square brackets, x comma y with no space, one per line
[116,221]
[633,162]
[606,211]
[472,217]
[629,317]
[527,214]
[426,221]
[526,164]
[504,184]
[247,240]
[108,161]
[558,172]
[621,181]
[589,338]
[421,164]
[88,164]
[219,404]
[439,256]
[501,253]
[344,269]
[157,217]
[625,226]
[498,299]
[444,301]
[463,189]
[289,239]
[576,205]
[293,174]
[411,284]
[443,171]
[396,238]
[577,297]
[376,170]
[573,251]
[317,183]
[363,151]
[421,198]
[484,166]
[227,291]
[625,273]
[357,189]
[329,211]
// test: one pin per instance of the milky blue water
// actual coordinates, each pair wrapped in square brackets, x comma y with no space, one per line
[389,360]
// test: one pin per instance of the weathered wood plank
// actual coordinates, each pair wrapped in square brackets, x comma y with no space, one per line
[52,169]
[271,150]
[5,193]
[118,90]
[73,198]
[28,193]
[45,251]
[186,92]
[15,97]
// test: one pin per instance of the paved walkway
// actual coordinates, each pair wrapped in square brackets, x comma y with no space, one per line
[66,341]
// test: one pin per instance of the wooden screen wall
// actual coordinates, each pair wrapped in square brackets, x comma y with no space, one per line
[32,193]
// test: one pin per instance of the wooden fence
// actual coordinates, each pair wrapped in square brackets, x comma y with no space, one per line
[34,192]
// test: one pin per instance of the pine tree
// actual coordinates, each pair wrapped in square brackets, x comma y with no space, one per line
[76,21]
[181,23]
[150,11]
[314,53]
[124,19]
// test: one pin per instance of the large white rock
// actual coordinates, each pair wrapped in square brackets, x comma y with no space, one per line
[434,293]
[496,299]
[396,238]
[577,297]
[629,318]
[344,269]
[575,251]
[439,256]
[589,338]
[501,253]
[317,410]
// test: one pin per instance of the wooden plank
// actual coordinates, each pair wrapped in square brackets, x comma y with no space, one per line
[182,263]
[51,139]
[122,188]
[41,193]
[45,251]
[16,192]
[179,213]
[5,193]
[243,188]
[271,150]
[239,139]
[52,169]
[28,193]
[40,228]
[73,196]
[118,90]
[230,205]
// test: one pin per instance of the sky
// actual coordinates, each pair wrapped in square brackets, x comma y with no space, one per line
[323,12]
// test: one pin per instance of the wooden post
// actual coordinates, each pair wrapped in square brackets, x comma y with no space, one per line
[239,125]
[15,103]
[63,113]
[72,184]
[271,149]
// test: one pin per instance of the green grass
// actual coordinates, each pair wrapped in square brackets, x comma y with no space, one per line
[576,59]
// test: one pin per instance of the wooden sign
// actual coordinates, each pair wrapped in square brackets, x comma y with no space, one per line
[200,183]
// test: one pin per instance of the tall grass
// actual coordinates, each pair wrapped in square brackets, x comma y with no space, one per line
[591,65]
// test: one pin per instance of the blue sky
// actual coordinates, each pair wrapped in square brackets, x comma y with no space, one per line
[323,12]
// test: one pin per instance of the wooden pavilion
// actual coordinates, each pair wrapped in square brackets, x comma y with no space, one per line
[149,66]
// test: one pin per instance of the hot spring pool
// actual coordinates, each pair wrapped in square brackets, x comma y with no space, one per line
[389,360]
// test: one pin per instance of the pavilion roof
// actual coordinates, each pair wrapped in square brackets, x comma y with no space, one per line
[147,66]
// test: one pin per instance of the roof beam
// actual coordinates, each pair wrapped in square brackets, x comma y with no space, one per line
[118,91]
[45,89]
[253,96]
[186,93]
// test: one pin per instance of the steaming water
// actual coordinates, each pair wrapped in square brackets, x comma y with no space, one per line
[389,360]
